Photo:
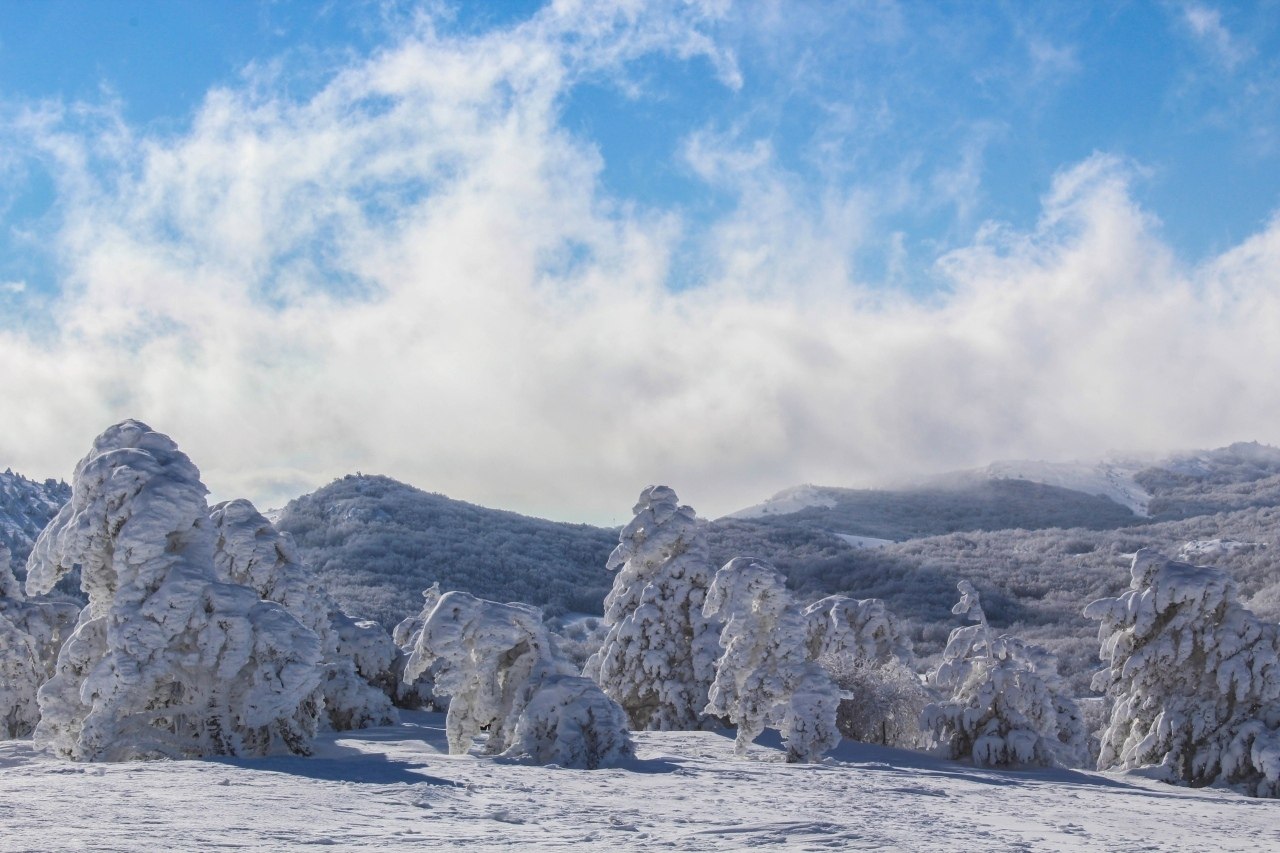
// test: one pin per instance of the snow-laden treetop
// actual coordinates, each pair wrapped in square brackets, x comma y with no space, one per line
[140,493]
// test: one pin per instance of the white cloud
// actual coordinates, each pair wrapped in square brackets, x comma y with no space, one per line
[1205,23]
[14,287]
[416,272]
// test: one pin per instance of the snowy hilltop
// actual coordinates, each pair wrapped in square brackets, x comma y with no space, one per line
[376,544]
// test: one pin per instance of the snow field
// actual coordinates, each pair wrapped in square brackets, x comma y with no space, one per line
[396,788]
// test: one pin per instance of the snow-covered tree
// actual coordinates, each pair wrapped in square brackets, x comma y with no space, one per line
[863,631]
[417,692]
[165,661]
[497,664]
[251,552]
[33,632]
[765,676]
[20,677]
[1193,677]
[658,658]
[859,644]
[1000,710]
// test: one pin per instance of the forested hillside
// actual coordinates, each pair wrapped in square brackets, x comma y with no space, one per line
[376,544]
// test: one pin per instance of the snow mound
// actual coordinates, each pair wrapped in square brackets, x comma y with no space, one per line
[788,501]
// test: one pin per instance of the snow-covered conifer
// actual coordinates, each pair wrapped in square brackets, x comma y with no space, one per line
[251,552]
[496,662]
[658,658]
[999,710]
[165,660]
[1193,677]
[765,676]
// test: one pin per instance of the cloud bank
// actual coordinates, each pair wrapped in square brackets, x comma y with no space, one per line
[416,270]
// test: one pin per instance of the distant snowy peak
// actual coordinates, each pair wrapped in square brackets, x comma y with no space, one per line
[1113,480]
[788,501]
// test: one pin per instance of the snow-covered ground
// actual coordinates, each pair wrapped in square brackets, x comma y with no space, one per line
[395,788]
[788,501]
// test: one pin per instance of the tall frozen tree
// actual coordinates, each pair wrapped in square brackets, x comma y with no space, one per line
[765,677]
[165,660]
[998,710]
[1193,677]
[658,658]
[250,551]
[499,668]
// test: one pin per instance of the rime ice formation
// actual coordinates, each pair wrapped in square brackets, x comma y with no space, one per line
[765,676]
[1194,679]
[165,660]
[251,552]
[658,658]
[1001,708]
[497,664]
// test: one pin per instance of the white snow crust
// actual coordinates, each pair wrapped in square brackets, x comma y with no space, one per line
[396,788]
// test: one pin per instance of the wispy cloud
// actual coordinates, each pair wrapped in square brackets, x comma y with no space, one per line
[417,271]
[1205,23]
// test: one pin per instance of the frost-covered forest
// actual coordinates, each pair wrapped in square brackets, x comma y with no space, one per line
[145,623]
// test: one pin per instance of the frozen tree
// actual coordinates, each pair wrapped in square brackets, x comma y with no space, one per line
[165,660]
[859,644]
[20,677]
[568,721]
[250,551]
[883,701]
[658,657]
[497,665]
[765,676]
[417,692]
[31,632]
[863,631]
[1193,677]
[999,710]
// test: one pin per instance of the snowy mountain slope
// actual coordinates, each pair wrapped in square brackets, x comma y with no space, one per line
[788,501]
[1113,480]
[376,544]
[395,788]
[26,506]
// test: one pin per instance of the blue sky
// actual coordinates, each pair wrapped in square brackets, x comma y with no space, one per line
[541,255]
